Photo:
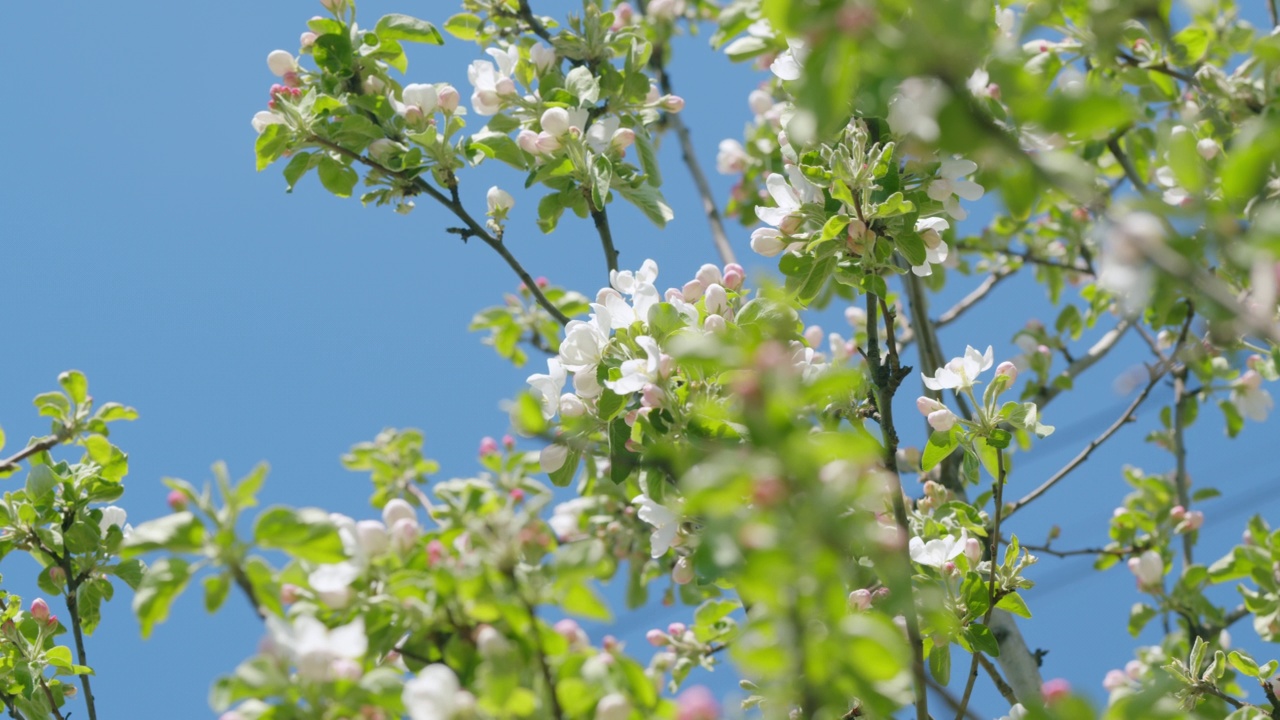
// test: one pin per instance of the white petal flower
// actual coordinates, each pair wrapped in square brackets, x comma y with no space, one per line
[789,65]
[313,648]
[433,694]
[937,552]
[960,373]
[281,63]
[636,373]
[547,387]
[263,118]
[951,185]
[1250,399]
[664,521]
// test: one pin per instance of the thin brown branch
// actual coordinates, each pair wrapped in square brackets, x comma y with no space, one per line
[998,496]
[1180,397]
[526,14]
[1120,552]
[1125,417]
[951,700]
[472,229]
[10,463]
[1003,687]
[53,704]
[1026,256]
[687,152]
[242,582]
[1099,350]
[1126,164]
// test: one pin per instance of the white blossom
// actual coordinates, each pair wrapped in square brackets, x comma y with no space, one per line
[664,521]
[434,694]
[281,63]
[914,110]
[547,386]
[789,65]
[960,373]
[1249,398]
[313,648]
[951,185]
[935,248]
[937,552]
[263,118]
[636,373]
[419,101]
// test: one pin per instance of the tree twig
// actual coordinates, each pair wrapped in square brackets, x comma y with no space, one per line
[47,443]
[472,229]
[1131,172]
[1003,687]
[718,235]
[1180,396]
[1125,417]
[886,383]
[1099,350]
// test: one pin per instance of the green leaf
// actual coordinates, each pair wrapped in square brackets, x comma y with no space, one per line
[180,532]
[980,638]
[307,534]
[405,27]
[41,483]
[297,167]
[1243,663]
[216,588]
[464,26]
[114,463]
[940,663]
[564,474]
[584,86]
[648,158]
[333,52]
[164,581]
[893,205]
[941,444]
[75,385]
[601,177]
[579,599]
[336,177]
[1013,603]
[806,274]
[621,460]
[912,247]
[270,144]
[648,200]
[1139,615]
[526,415]
[834,226]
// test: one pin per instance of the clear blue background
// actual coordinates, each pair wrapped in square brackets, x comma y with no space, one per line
[138,244]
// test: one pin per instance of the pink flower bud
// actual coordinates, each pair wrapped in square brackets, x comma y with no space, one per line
[57,576]
[334,6]
[177,500]
[622,139]
[547,143]
[692,290]
[1135,669]
[398,509]
[860,600]
[1115,680]
[447,96]
[508,442]
[555,121]
[714,324]
[1177,513]
[942,420]
[716,299]
[652,396]
[813,336]
[289,593]
[435,552]
[293,79]
[697,703]
[1148,568]
[488,446]
[733,276]
[973,552]
[683,572]
[656,637]
[1007,369]
[1193,522]
[672,103]
[281,62]
[1054,690]
[571,631]
[949,568]
[676,629]
[307,39]
[40,609]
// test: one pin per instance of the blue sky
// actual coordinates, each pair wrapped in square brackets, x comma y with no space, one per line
[247,324]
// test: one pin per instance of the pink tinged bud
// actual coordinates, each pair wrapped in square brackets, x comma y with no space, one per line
[508,442]
[1115,680]
[398,509]
[505,87]
[973,552]
[676,629]
[228,715]
[571,406]
[651,396]
[571,631]
[1195,519]
[622,139]
[555,121]
[613,706]
[714,324]
[1178,513]
[334,6]
[499,200]
[880,594]
[346,669]
[656,637]
[1007,369]
[760,102]
[692,290]
[528,142]
[39,609]
[632,445]
[1148,568]
[709,275]
[58,576]
[683,573]
[813,336]
[435,552]
[942,420]
[281,62]
[733,277]
[673,294]
[177,500]
[488,446]
[672,103]
[860,600]
[1207,148]
[927,405]
[289,593]
[697,703]
[1054,690]
[292,79]
[405,534]
[716,299]
[1134,669]
[372,537]
[547,143]
[307,39]
[448,98]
